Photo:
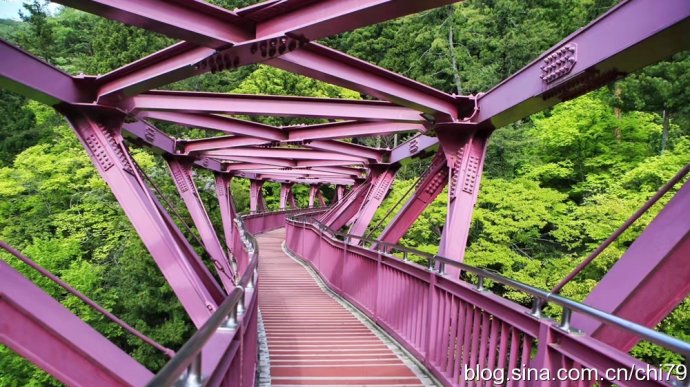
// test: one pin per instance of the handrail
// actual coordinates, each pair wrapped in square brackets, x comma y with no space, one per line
[225,317]
[540,296]
[44,272]
[188,355]
[641,211]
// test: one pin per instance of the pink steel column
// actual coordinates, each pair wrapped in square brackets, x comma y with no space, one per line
[43,331]
[256,197]
[227,206]
[465,158]
[339,193]
[340,214]
[191,281]
[382,178]
[429,188]
[649,280]
[183,178]
[286,197]
[313,189]
[319,195]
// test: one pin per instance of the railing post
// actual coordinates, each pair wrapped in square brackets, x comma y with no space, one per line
[537,304]
[441,268]
[480,283]
[431,317]
[194,377]
[565,319]
[377,301]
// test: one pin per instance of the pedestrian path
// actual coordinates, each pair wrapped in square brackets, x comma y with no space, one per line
[312,339]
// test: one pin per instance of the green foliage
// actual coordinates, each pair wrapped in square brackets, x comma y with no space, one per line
[38,34]
[555,185]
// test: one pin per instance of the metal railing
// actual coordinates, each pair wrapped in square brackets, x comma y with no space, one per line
[437,264]
[52,277]
[185,367]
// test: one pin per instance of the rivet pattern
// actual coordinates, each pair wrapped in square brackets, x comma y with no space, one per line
[98,152]
[471,174]
[559,64]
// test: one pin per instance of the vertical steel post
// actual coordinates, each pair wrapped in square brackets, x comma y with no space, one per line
[313,189]
[226,205]
[465,159]
[256,197]
[286,197]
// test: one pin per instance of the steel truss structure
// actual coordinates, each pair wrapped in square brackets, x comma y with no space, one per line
[110,112]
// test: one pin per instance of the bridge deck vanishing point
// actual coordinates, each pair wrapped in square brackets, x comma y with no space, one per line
[312,338]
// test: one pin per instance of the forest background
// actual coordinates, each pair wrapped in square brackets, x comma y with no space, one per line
[555,185]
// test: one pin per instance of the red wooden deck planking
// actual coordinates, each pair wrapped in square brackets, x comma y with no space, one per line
[312,339]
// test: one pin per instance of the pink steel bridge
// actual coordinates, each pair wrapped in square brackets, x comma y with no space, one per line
[444,323]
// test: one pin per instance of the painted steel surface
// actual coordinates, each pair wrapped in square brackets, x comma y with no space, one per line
[450,325]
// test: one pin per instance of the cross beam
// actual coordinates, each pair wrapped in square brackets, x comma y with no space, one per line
[280,48]
[628,37]
[25,74]
[272,105]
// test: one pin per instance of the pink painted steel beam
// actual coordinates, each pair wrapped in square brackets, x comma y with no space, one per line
[272,105]
[349,129]
[223,124]
[381,180]
[630,36]
[286,196]
[306,178]
[39,328]
[338,194]
[25,74]
[320,197]
[313,189]
[415,146]
[183,178]
[300,172]
[281,153]
[186,59]
[296,179]
[172,64]
[341,214]
[256,197]
[214,143]
[194,21]
[243,160]
[320,19]
[465,158]
[191,281]
[324,163]
[649,280]
[227,208]
[192,146]
[435,179]
[143,133]
[331,66]
[347,148]
[258,168]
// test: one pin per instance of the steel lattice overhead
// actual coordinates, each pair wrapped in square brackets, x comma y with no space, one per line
[108,113]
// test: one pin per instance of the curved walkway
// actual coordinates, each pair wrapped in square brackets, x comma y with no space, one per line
[312,339]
